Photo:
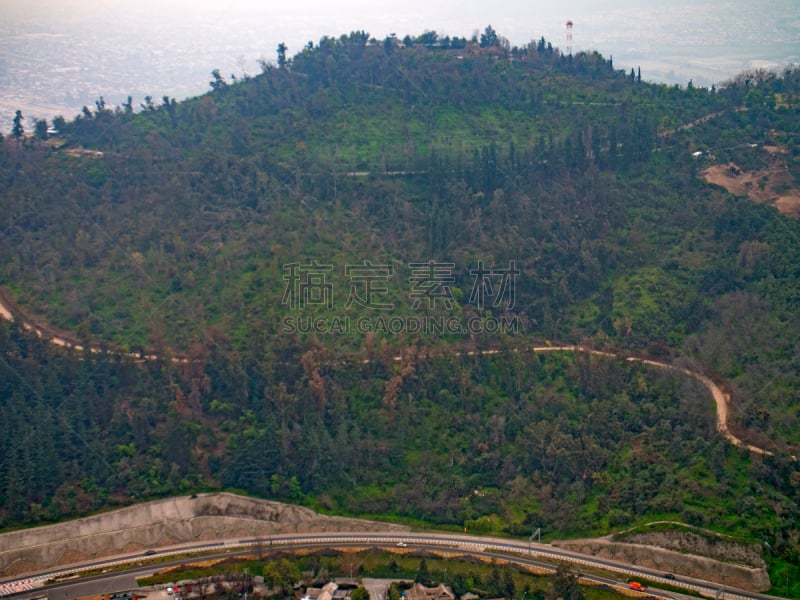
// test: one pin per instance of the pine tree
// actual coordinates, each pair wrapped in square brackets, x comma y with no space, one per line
[565,585]
[282,61]
[423,574]
[41,129]
[18,130]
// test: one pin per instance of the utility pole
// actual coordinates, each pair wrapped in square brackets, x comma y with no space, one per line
[537,535]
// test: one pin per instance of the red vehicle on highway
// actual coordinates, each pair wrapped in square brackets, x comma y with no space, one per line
[635,585]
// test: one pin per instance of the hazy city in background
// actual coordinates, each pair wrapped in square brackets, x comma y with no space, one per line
[58,55]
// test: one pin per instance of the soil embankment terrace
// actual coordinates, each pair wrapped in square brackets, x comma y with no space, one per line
[659,552]
[141,527]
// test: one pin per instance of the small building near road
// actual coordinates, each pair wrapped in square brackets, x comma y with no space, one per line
[326,592]
[420,592]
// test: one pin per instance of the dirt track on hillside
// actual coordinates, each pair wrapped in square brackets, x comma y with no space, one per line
[8,311]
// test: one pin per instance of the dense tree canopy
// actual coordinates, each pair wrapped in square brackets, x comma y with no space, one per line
[436,180]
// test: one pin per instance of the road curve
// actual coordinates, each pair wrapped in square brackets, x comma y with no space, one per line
[720,399]
[515,551]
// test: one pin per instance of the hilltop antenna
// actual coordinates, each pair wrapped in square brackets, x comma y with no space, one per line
[569,37]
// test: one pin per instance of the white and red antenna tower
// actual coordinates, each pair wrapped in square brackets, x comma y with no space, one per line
[569,37]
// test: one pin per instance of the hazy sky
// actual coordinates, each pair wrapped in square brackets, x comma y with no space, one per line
[635,19]
[56,55]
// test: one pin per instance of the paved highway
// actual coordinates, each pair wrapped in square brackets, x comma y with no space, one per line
[523,553]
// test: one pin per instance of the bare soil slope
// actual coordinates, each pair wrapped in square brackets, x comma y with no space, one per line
[771,184]
[731,564]
[186,519]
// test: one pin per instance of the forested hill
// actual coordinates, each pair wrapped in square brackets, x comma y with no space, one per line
[369,198]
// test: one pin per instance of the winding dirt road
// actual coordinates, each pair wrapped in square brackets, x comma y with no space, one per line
[720,398]
[8,311]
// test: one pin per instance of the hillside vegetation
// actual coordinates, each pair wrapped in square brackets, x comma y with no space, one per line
[494,195]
